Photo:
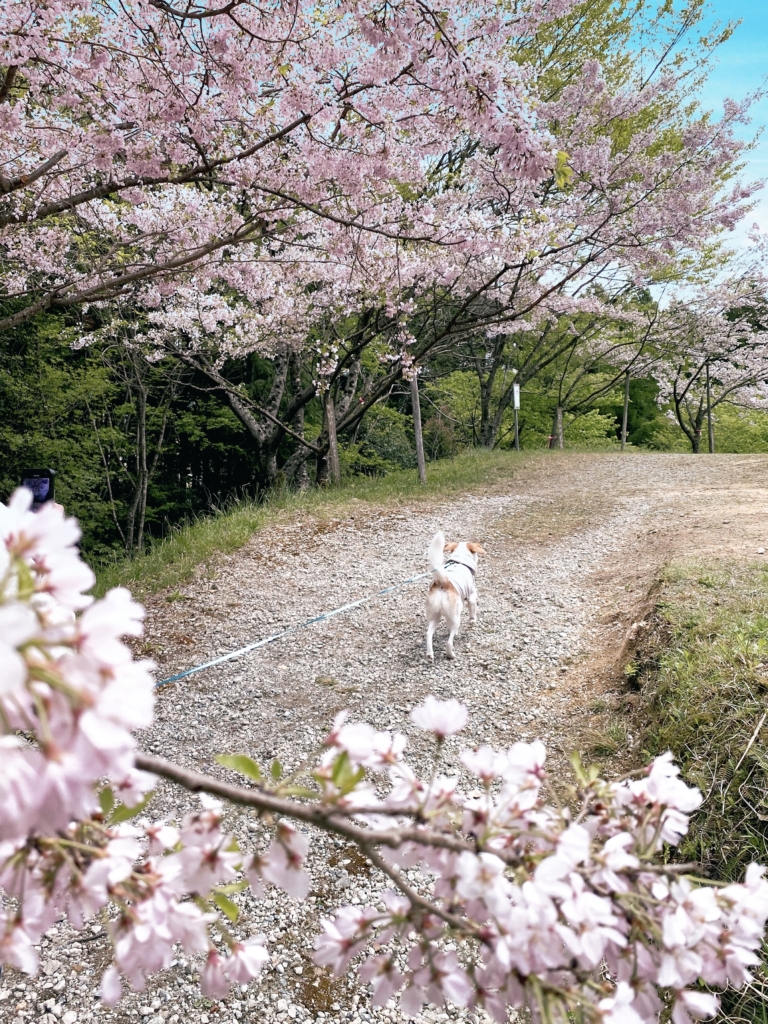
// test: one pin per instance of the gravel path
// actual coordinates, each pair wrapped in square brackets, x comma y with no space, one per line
[572,549]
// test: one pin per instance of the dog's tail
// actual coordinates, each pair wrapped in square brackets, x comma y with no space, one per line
[435,556]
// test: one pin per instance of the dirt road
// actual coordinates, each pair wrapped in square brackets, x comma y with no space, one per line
[574,545]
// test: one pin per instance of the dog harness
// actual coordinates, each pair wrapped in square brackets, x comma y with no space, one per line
[461,576]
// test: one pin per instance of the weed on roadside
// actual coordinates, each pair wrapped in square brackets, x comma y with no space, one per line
[705,693]
[610,741]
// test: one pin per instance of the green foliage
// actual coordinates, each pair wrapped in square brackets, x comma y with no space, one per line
[242,764]
[386,443]
[740,430]
[594,429]
[75,411]
[455,399]
[49,398]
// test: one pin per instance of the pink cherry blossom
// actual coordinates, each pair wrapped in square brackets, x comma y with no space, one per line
[442,717]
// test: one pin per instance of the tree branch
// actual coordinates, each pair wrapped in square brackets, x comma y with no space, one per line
[330,819]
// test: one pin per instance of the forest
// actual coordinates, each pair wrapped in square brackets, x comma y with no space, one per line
[169,349]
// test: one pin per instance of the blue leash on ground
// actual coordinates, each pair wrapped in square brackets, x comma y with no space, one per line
[291,629]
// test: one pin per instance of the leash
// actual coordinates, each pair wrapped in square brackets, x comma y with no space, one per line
[291,629]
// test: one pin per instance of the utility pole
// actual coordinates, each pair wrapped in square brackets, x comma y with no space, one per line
[333,443]
[626,412]
[710,424]
[416,403]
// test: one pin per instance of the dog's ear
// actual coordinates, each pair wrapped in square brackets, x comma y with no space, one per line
[450,546]
[476,549]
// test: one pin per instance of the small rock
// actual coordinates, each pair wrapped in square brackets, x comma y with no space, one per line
[70,1017]
[761,551]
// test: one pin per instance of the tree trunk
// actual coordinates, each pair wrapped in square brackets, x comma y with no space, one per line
[296,470]
[333,444]
[557,429]
[349,387]
[296,466]
[137,508]
[487,433]
[322,470]
[417,429]
[710,424]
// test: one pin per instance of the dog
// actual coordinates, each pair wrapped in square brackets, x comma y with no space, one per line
[454,584]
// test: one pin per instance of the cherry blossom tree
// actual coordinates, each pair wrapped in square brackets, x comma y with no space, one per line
[523,896]
[715,350]
[142,141]
[309,183]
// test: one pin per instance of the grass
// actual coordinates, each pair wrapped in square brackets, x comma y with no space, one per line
[610,741]
[705,682]
[172,561]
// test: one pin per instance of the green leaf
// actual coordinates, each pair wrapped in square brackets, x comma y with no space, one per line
[106,800]
[344,777]
[300,791]
[242,764]
[226,906]
[123,813]
[578,767]
[276,771]
[232,887]
[563,173]
[25,581]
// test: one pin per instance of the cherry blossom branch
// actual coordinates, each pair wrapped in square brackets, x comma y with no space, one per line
[330,819]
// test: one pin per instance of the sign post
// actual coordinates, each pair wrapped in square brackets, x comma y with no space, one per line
[516,407]
[42,484]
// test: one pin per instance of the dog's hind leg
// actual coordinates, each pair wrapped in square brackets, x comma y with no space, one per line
[453,618]
[472,602]
[431,627]
[434,614]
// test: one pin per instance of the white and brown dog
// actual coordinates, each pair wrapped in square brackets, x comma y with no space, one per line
[454,584]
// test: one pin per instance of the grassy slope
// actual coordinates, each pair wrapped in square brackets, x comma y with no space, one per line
[173,560]
[705,692]
[708,695]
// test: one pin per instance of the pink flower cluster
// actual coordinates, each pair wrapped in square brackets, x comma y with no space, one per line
[541,896]
[71,696]
[69,683]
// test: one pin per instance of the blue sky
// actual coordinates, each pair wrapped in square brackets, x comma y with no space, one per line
[741,69]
